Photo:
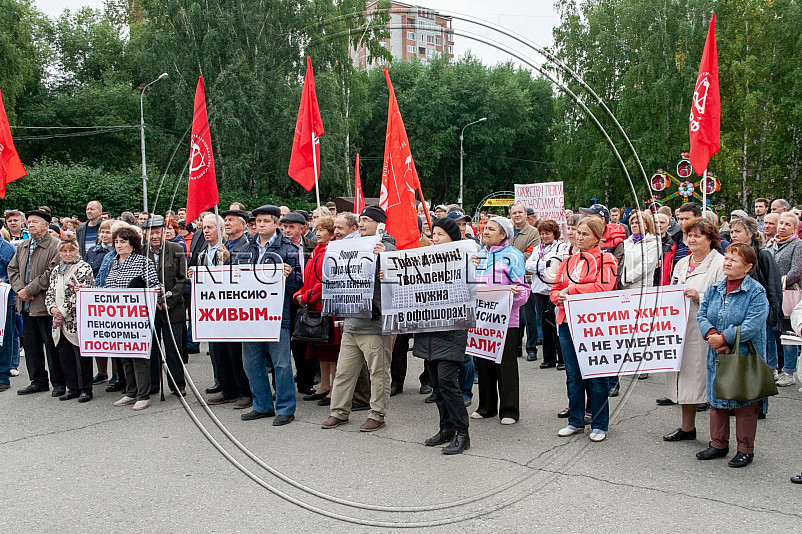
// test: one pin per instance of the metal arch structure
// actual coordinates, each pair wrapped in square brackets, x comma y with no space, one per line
[497,194]
[567,455]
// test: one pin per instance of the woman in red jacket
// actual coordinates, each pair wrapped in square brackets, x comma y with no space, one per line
[310,296]
[588,271]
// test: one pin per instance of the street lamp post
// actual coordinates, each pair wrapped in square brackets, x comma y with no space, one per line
[461,155]
[142,141]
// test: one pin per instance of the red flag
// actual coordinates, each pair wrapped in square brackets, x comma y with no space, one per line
[359,197]
[305,157]
[399,179]
[10,165]
[202,190]
[705,121]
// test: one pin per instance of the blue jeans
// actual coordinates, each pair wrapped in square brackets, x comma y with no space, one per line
[599,388]
[790,355]
[17,332]
[771,347]
[7,350]
[466,372]
[254,361]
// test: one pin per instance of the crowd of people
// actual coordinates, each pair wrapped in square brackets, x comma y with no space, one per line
[741,274]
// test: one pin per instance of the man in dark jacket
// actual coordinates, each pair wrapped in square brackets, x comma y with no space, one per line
[87,233]
[270,246]
[171,268]
[29,275]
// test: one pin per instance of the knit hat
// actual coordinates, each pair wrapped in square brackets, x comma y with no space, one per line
[375,213]
[506,225]
[449,227]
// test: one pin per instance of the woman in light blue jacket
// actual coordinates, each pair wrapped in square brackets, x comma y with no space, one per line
[736,301]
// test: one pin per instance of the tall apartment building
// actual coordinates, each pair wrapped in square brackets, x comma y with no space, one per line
[415,32]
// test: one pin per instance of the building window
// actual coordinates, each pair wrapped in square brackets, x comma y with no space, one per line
[451,50]
[449,37]
[422,38]
[439,41]
[411,35]
[421,51]
[430,39]
[411,22]
[411,49]
[429,53]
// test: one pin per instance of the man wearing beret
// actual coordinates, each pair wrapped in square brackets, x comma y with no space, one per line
[363,342]
[295,225]
[171,268]
[29,275]
[270,246]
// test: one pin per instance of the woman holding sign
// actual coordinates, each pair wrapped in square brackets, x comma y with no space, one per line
[701,268]
[738,302]
[588,271]
[501,264]
[70,274]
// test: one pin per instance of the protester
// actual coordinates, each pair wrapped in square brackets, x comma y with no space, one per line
[761,208]
[29,275]
[685,213]
[15,223]
[698,270]
[500,263]
[525,239]
[443,353]
[132,269]
[662,274]
[172,232]
[94,256]
[87,233]
[588,271]
[8,347]
[738,301]
[549,252]
[770,226]
[69,275]
[639,253]
[614,233]
[786,248]
[780,206]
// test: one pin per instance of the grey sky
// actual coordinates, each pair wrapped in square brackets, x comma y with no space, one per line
[533,19]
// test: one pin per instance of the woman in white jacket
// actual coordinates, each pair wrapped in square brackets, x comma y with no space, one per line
[549,251]
[641,253]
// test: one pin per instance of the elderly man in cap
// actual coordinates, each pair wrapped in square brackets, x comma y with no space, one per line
[29,275]
[295,226]
[332,208]
[269,246]
[234,223]
[363,342]
[440,211]
[171,268]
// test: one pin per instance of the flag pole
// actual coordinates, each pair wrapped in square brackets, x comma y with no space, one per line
[425,208]
[314,164]
[704,191]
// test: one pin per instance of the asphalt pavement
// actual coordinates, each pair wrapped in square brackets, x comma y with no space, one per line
[94,467]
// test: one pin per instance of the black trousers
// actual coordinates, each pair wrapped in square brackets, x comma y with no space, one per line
[498,383]
[552,353]
[448,395]
[230,374]
[304,369]
[37,339]
[171,353]
[398,365]
[77,370]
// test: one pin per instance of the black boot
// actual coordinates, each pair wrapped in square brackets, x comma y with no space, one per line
[443,436]
[462,442]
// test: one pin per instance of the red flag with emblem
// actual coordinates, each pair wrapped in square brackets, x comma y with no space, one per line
[399,179]
[359,197]
[305,156]
[202,190]
[10,165]
[705,121]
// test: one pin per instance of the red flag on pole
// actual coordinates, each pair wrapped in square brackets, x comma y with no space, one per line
[399,179]
[305,157]
[705,120]
[359,197]
[202,190]
[10,165]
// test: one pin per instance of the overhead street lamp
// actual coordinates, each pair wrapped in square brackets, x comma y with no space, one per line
[461,155]
[142,138]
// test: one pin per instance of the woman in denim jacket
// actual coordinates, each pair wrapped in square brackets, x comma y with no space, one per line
[737,301]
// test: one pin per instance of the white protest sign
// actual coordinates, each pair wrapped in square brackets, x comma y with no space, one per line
[238,302]
[493,305]
[547,199]
[349,274]
[625,332]
[115,322]
[5,289]
[429,289]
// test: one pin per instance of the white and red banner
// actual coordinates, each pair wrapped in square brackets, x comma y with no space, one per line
[493,305]
[630,331]
[238,303]
[547,199]
[115,322]
[5,289]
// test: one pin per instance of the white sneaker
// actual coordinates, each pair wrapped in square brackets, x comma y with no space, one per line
[15,372]
[475,415]
[597,435]
[125,401]
[141,405]
[786,379]
[508,421]
[570,430]
[776,375]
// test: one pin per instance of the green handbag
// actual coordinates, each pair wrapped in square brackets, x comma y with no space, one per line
[743,377]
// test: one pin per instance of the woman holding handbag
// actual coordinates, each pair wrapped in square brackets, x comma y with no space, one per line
[310,296]
[733,310]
